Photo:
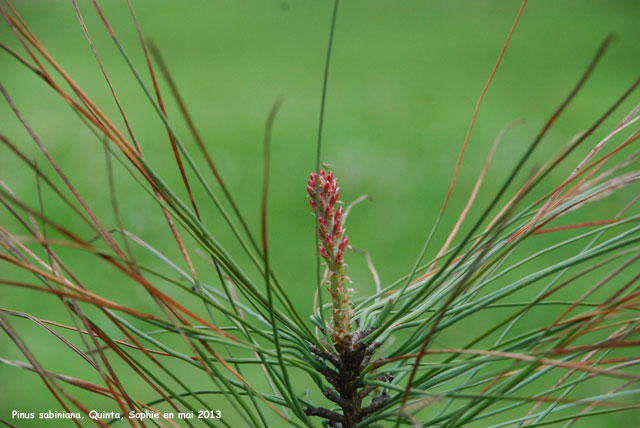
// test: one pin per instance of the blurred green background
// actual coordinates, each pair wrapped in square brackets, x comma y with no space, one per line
[405,77]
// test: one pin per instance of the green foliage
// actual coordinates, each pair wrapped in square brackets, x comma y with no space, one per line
[485,329]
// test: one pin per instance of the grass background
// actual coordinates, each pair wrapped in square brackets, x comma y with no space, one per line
[405,77]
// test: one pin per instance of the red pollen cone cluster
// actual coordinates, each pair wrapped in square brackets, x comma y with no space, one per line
[333,242]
